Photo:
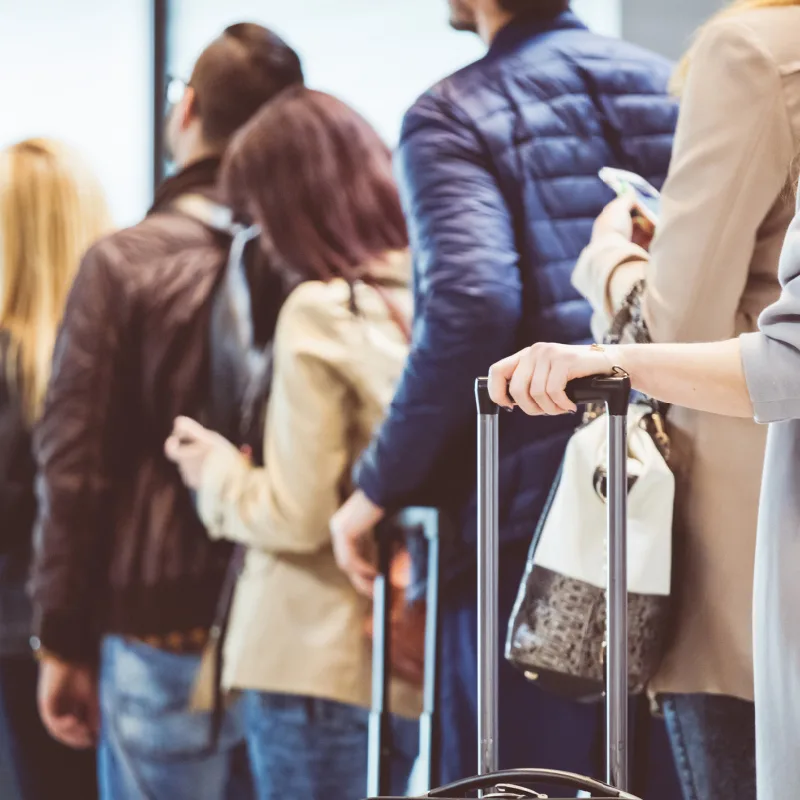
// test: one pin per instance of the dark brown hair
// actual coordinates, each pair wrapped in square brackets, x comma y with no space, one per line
[237,73]
[318,179]
[537,8]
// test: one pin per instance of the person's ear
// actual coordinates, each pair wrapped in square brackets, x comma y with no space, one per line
[187,109]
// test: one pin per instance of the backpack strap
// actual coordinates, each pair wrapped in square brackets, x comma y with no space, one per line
[213,215]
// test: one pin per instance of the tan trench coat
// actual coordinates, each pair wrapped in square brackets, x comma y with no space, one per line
[711,270]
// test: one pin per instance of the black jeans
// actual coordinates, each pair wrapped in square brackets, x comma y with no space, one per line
[39,767]
[713,739]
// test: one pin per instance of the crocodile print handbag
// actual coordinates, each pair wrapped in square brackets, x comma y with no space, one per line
[556,635]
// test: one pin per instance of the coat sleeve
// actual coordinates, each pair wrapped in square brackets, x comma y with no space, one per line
[468,299]
[771,356]
[73,447]
[732,152]
[17,471]
[285,507]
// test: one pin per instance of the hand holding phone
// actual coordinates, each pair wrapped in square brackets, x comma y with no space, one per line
[648,200]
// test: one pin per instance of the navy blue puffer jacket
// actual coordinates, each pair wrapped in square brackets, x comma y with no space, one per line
[498,170]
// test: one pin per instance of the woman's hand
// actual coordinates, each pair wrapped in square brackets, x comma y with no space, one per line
[535,378]
[189,446]
[616,219]
[351,528]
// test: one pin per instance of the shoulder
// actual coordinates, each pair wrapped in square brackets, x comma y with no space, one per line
[761,36]
[160,239]
[538,71]
[315,310]
[319,317]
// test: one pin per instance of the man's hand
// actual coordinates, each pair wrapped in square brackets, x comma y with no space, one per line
[68,702]
[351,527]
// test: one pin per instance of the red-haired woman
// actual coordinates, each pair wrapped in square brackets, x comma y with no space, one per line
[317,179]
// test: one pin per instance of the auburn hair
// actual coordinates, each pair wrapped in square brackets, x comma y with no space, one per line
[316,176]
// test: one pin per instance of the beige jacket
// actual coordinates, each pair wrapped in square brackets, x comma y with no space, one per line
[712,268]
[297,625]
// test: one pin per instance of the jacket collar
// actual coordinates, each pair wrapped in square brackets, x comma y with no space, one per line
[198,178]
[524,27]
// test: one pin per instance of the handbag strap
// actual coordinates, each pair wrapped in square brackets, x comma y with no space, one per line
[395,314]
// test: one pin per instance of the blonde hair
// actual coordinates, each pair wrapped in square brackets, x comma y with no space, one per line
[51,209]
[737,7]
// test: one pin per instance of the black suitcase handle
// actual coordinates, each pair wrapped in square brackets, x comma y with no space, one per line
[611,390]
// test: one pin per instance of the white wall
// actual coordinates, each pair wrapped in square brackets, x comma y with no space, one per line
[379,55]
[603,16]
[79,70]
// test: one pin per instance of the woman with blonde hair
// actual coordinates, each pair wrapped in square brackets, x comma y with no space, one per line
[51,210]
[709,272]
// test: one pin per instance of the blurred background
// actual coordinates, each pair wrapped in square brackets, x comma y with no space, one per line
[95,73]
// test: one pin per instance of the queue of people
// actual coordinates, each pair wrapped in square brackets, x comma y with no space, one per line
[199,579]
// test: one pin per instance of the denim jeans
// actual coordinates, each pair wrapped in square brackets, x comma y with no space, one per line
[151,746]
[317,749]
[713,738]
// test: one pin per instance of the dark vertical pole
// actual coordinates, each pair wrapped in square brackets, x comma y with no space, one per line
[160,10]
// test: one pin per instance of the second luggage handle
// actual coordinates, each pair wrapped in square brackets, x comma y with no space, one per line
[614,392]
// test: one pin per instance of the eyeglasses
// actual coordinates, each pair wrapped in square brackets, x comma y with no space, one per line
[174,90]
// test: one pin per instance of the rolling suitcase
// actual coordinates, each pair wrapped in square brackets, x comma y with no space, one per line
[428,522]
[614,392]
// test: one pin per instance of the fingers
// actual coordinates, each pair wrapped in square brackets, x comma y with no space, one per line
[538,387]
[188,430]
[536,379]
[499,376]
[519,386]
[68,728]
[172,449]
[361,573]
[627,201]
[556,388]
[364,586]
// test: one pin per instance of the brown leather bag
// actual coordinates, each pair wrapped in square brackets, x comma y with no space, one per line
[407,624]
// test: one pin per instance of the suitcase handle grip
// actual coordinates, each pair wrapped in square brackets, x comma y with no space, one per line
[611,390]
[528,776]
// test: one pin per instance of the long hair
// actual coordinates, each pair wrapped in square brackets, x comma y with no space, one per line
[318,179]
[51,210]
[737,7]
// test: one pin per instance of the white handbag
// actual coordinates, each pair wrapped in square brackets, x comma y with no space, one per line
[572,541]
[556,635]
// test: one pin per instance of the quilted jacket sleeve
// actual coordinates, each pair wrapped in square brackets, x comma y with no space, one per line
[468,299]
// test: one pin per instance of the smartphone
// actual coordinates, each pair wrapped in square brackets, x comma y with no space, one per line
[649,200]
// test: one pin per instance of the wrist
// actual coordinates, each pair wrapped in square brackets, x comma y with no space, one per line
[614,356]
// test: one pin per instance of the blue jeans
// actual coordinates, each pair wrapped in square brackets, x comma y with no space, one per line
[317,749]
[713,739]
[151,746]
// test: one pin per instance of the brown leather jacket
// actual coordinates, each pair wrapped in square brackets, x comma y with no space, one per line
[119,546]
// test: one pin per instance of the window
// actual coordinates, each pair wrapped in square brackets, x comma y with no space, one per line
[79,71]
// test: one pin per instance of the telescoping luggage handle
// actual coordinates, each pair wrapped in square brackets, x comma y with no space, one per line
[379,761]
[614,392]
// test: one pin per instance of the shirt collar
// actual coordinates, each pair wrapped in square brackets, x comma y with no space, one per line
[524,27]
